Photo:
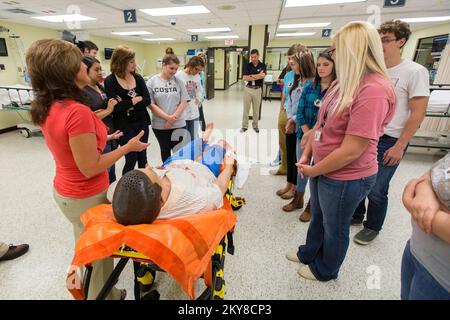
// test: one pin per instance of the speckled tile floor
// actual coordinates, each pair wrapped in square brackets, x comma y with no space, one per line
[263,235]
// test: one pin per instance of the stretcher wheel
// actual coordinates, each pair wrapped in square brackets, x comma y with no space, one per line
[25,132]
[237,202]
[219,289]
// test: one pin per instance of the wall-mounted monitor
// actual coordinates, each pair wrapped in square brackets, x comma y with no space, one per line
[108,53]
[68,36]
[3,48]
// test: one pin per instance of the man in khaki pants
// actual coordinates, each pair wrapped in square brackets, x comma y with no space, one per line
[254,73]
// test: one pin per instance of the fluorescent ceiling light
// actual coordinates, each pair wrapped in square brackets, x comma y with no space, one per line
[307,3]
[223,37]
[131,33]
[175,11]
[296,34]
[65,18]
[210,30]
[426,19]
[160,39]
[305,25]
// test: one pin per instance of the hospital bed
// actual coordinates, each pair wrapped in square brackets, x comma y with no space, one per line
[18,98]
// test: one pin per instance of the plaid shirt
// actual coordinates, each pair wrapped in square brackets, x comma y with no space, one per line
[308,107]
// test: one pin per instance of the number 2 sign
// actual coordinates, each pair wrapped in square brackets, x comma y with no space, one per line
[130,16]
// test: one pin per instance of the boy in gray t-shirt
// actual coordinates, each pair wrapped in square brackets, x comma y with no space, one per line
[167,96]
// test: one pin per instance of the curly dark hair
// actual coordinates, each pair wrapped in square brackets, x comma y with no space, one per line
[53,66]
[399,28]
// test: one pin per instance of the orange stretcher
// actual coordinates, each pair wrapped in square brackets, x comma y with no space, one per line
[186,248]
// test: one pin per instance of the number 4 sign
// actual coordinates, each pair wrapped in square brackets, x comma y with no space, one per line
[130,16]
[326,33]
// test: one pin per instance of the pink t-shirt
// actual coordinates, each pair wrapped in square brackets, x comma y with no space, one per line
[372,109]
[65,120]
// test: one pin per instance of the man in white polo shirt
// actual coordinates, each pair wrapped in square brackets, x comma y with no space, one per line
[411,83]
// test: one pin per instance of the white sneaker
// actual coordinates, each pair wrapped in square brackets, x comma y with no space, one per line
[275,163]
[292,256]
[306,273]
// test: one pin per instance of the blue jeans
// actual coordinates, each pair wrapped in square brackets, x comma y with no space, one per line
[333,203]
[200,151]
[417,282]
[112,169]
[193,127]
[378,196]
[301,183]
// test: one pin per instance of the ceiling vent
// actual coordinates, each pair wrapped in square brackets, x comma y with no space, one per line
[22,11]
[226,7]
[11,3]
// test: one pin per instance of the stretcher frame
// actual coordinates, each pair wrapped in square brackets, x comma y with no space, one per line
[215,292]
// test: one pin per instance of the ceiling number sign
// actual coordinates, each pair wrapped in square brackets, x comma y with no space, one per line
[130,16]
[326,33]
[394,3]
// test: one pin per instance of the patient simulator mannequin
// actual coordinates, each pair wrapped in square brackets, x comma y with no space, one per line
[188,183]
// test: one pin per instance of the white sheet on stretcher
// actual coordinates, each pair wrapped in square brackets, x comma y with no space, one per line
[13,96]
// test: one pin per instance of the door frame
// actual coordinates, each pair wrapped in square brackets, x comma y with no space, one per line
[210,73]
[228,49]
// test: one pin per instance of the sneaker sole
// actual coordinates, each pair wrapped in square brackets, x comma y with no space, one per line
[362,242]
[293,260]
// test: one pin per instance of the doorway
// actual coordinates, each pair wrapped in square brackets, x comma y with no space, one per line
[229,64]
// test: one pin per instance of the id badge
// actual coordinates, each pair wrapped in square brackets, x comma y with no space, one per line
[253,83]
[317,135]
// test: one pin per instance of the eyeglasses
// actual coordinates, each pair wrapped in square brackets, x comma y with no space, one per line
[331,51]
[387,40]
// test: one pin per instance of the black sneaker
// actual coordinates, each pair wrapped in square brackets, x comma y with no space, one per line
[256,130]
[243,129]
[365,236]
[356,222]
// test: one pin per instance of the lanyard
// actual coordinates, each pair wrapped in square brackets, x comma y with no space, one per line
[325,116]
[324,120]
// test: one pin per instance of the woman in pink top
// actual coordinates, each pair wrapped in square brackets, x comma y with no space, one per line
[75,136]
[343,147]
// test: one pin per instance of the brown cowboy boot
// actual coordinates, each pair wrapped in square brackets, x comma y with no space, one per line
[296,203]
[282,191]
[306,215]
